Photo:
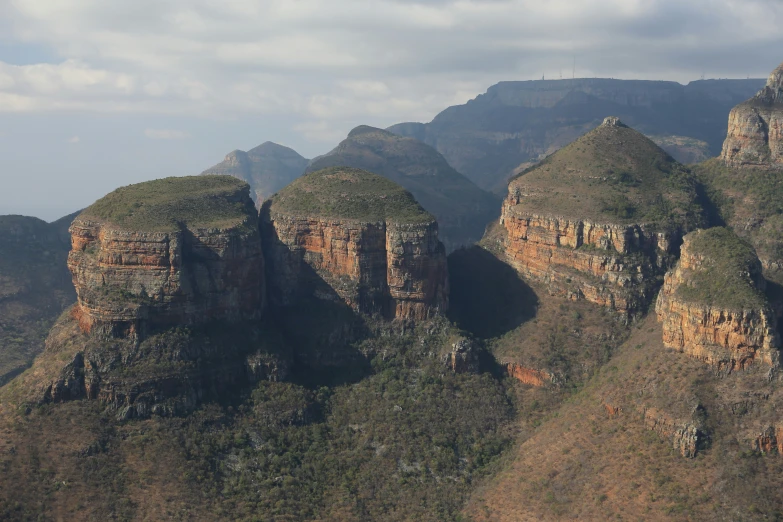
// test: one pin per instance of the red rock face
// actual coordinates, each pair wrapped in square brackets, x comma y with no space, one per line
[755,134]
[577,259]
[395,270]
[531,376]
[726,339]
[128,281]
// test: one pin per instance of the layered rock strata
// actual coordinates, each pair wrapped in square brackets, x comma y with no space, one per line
[387,264]
[572,222]
[712,304]
[134,276]
[755,134]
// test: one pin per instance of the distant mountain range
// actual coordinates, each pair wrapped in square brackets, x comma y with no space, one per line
[463,210]
[515,124]
[35,286]
[267,168]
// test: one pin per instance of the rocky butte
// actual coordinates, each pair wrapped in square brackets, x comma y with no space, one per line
[713,306]
[755,135]
[175,251]
[601,219]
[343,234]
[169,277]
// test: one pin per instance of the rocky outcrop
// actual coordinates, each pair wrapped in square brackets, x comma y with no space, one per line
[769,440]
[392,266]
[130,281]
[557,233]
[684,436]
[712,304]
[168,373]
[755,135]
[530,376]
[463,357]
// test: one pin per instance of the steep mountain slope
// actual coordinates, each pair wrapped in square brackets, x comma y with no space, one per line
[516,123]
[266,168]
[601,219]
[35,286]
[170,390]
[461,208]
[746,182]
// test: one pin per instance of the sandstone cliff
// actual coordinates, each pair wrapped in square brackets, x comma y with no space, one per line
[169,277]
[171,252]
[348,235]
[755,135]
[601,219]
[712,304]
[266,168]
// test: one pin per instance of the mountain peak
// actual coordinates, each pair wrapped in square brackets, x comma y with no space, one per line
[613,121]
[366,129]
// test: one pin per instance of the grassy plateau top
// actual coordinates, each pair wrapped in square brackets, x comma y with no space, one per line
[168,204]
[612,174]
[348,193]
[726,277]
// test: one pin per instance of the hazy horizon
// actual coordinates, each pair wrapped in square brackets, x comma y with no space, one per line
[95,96]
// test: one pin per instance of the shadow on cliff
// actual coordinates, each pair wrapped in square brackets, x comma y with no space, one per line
[488,298]
[322,330]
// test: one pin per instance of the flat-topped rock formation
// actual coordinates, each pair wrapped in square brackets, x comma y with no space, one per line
[713,306]
[601,219]
[346,234]
[170,252]
[755,135]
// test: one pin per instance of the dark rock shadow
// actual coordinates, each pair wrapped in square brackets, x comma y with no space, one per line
[488,298]
[316,322]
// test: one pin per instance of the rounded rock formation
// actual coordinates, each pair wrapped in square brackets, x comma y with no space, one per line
[343,234]
[170,252]
[755,134]
[601,219]
[713,306]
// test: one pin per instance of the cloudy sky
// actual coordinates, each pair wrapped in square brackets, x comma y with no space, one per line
[95,94]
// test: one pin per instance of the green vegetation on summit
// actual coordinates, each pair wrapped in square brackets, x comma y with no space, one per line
[348,193]
[612,174]
[167,204]
[462,209]
[724,278]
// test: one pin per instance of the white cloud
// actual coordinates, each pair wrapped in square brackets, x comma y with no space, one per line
[74,139]
[336,62]
[165,134]
[320,131]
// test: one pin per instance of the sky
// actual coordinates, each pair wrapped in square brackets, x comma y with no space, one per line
[97,94]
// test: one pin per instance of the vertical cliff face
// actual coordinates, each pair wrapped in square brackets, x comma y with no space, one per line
[347,235]
[172,252]
[755,135]
[601,219]
[712,304]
